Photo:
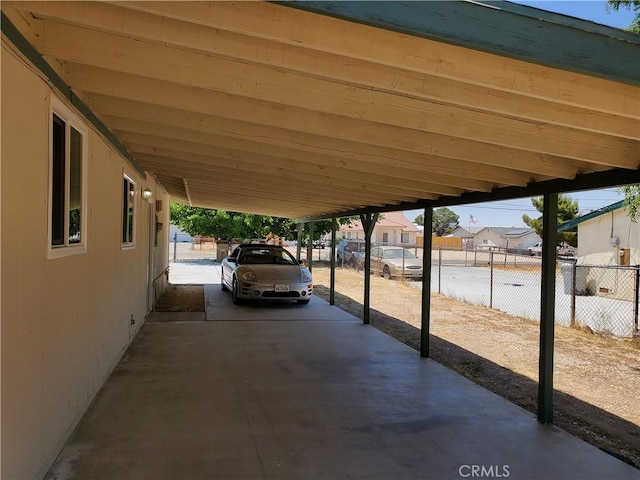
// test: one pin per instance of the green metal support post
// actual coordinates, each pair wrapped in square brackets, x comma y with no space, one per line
[332,281]
[427,246]
[310,247]
[299,244]
[547,307]
[368,222]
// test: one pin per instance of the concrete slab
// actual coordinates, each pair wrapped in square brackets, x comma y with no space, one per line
[218,306]
[307,399]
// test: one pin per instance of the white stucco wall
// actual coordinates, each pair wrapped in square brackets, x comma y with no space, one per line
[65,321]
[594,239]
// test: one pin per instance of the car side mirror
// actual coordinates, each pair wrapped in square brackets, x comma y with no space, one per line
[231,259]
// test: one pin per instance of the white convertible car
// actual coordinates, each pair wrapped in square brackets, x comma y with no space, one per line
[265,272]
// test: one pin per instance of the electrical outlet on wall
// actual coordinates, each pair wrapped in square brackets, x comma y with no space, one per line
[133,320]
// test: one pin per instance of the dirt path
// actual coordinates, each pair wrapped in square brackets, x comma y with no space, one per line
[596,378]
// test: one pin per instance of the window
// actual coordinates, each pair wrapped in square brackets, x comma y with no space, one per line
[385,238]
[404,237]
[128,212]
[67,170]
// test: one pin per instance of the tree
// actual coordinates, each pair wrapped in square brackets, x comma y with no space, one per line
[629,5]
[227,225]
[567,210]
[419,220]
[632,201]
[445,221]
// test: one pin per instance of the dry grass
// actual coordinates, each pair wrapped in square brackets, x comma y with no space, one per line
[595,377]
[181,298]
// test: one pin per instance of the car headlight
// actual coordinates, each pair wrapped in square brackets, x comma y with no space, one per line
[306,276]
[249,277]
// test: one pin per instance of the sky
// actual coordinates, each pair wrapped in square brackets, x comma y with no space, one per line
[509,213]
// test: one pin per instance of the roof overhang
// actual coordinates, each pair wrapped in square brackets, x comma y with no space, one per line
[335,108]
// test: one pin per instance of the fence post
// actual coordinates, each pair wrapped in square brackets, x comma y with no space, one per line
[475,256]
[175,245]
[635,302]
[440,270]
[491,279]
[574,272]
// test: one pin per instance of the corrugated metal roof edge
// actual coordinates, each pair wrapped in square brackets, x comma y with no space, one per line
[596,213]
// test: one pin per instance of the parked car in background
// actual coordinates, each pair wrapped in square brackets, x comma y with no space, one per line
[393,262]
[563,250]
[265,272]
[350,252]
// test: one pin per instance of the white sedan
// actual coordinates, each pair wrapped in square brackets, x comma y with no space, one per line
[265,272]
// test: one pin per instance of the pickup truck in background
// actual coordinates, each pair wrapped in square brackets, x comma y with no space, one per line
[535,249]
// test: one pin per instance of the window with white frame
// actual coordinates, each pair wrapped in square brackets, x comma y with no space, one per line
[128,212]
[67,173]
[385,237]
[404,237]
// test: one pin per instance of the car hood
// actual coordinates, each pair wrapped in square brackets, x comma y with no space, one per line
[408,262]
[275,273]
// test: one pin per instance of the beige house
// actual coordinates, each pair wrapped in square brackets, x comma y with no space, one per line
[393,228]
[84,254]
[505,238]
[607,236]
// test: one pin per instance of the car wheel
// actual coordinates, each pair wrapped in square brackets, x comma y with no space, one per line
[234,292]
[386,273]
[303,302]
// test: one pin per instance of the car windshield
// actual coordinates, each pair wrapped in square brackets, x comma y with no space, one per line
[397,253]
[263,256]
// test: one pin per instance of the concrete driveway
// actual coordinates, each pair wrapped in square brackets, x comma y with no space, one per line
[305,392]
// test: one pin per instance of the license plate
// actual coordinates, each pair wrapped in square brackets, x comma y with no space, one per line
[282,287]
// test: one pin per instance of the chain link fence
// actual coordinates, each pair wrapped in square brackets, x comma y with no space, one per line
[599,298]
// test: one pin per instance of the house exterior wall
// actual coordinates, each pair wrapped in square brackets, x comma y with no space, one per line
[394,236]
[495,240]
[594,239]
[487,238]
[523,242]
[65,321]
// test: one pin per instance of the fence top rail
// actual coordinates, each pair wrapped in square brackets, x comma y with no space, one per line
[612,267]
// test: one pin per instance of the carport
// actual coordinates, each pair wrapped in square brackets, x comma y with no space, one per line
[315,110]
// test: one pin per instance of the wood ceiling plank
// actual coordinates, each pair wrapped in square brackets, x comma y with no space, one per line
[323,165]
[250,162]
[314,147]
[221,170]
[204,47]
[327,34]
[327,97]
[105,82]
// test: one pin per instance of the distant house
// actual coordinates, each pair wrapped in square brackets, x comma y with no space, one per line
[177,234]
[606,236]
[392,229]
[505,238]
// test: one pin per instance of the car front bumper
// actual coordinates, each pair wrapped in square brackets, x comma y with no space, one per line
[278,291]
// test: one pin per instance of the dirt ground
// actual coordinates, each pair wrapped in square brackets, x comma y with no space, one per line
[181,298]
[596,378]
